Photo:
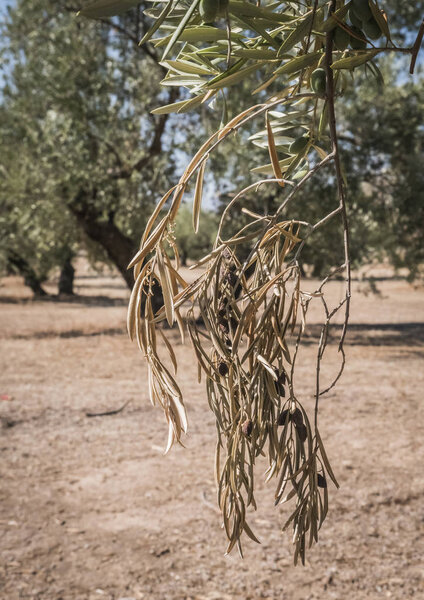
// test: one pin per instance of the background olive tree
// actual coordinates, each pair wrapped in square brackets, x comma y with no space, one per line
[82,155]
[386,225]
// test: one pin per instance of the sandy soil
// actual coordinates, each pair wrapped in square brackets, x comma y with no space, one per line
[90,508]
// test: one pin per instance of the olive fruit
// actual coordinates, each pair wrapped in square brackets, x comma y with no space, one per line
[302,432]
[247,427]
[231,277]
[222,313]
[354,19]
[318,81]
[355,43]
[297,417]
[208,10]
[299,144]
[223,326]
[223,369]
[321,480]
[361,9]
[372,29]
[282,417]
[280,389]
[282,377]
[280,382]
[341,39]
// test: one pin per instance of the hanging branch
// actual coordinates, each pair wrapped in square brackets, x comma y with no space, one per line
[330,93]
[246,317]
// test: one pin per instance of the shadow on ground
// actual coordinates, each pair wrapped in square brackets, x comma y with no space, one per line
[359,334]
[77,299]
[373,334]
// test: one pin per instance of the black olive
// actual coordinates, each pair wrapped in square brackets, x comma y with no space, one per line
[302,432]
[297,417]
[223,325]
[281,377]
[231,278]
[223,369]
[247,427]
[282,417]
[280,389]
[322,482]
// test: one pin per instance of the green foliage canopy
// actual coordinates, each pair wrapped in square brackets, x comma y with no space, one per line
[83,152]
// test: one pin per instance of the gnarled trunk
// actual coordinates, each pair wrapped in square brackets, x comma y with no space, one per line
[118,247]
[31,279]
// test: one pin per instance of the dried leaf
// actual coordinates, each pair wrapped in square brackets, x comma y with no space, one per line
[197,203]
[273,153]
[166,288]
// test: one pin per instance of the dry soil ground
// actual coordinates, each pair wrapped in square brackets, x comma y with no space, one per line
[90,508]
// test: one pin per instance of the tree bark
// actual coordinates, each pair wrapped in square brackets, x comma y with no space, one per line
[118,247]
[31,279]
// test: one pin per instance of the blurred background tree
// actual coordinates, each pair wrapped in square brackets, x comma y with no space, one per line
[83,151]
[81,154]
[194,246]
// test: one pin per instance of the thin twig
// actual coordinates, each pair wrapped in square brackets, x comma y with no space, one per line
[342,206]
[313,228]
[339,175]
[145,48]
[416,47]
[308,41]
[209,504]
[108,413]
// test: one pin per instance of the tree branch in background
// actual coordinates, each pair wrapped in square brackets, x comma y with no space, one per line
[154,149]
[416,47]
[146,48]
[23,268]
[330,93]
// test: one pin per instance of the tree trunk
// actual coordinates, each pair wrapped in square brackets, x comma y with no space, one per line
[31,279]
[119,248]
[183,257]
[66,279]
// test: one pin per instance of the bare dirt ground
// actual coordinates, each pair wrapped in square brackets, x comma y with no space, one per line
[90,509]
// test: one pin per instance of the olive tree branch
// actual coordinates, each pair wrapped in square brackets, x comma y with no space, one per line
[330,93]
[146,48]
[339,176]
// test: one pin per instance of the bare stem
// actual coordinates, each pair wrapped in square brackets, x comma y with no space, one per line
[330,92]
